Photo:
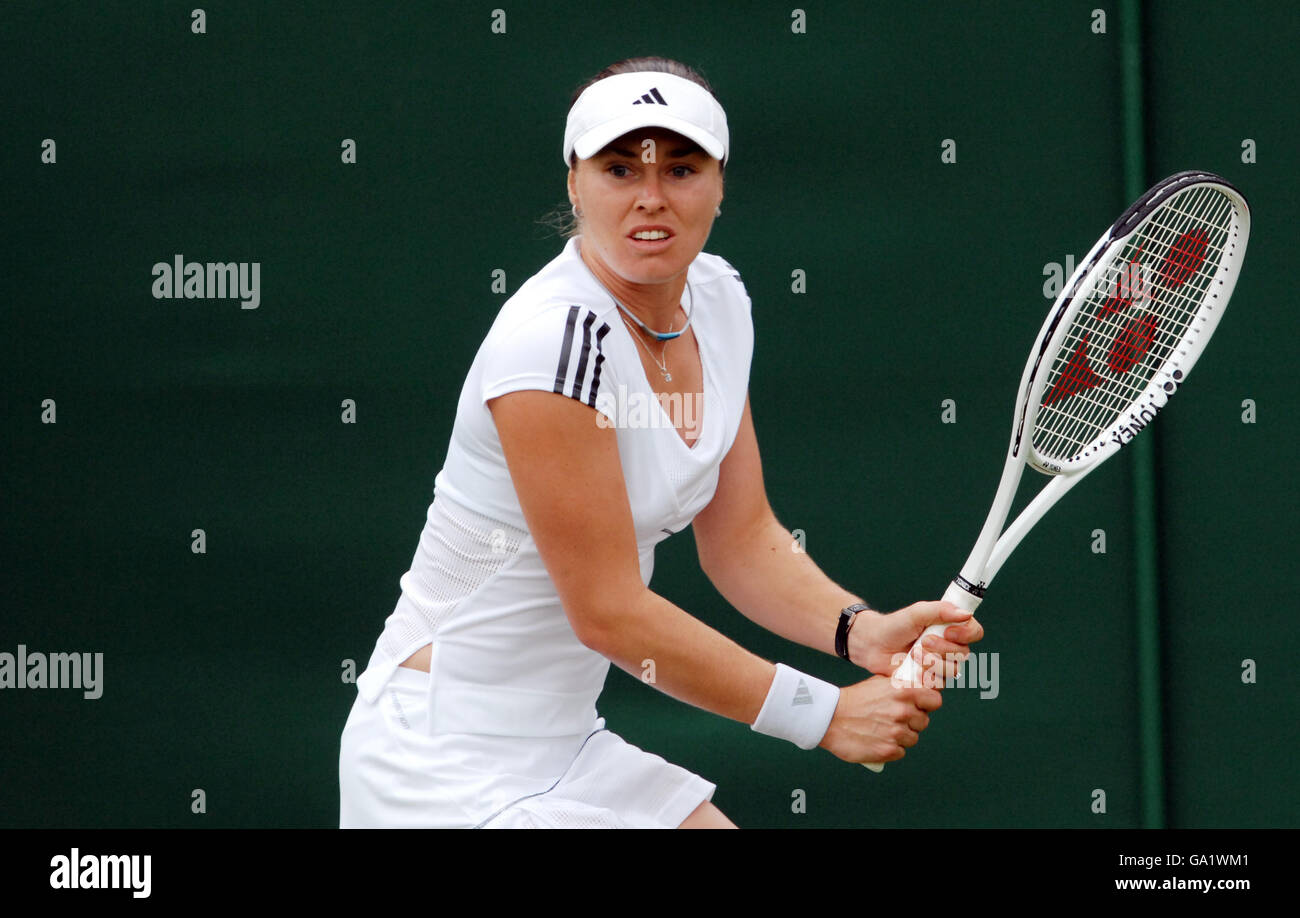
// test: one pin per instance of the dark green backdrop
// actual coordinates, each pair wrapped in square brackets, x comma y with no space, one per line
[924,283]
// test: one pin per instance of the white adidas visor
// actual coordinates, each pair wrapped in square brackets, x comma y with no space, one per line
[610,108]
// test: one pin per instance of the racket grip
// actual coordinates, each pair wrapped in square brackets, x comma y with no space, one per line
[909,671]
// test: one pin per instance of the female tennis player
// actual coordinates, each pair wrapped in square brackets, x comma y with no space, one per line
[607,409]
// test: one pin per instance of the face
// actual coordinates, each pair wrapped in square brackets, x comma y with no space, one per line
[620,194]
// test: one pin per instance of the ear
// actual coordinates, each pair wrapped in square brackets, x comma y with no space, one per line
[573,186]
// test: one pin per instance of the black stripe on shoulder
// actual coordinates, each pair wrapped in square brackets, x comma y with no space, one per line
[562,370]
[580,376]
[600,358]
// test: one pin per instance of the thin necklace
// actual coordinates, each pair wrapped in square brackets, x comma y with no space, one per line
[665,337]
[661,364]
[662,336]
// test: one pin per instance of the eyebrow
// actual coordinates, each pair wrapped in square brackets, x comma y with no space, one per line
[681,151]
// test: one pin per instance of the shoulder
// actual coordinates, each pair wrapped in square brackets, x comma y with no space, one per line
[717,284]
[708,268]
[550,335]
[719,278]
[562,296]
[558,305]
[554,345]
[548,321]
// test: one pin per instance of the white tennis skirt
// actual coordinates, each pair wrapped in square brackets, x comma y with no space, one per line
[394,774]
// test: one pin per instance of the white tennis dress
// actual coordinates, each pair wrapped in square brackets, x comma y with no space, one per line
[503,730]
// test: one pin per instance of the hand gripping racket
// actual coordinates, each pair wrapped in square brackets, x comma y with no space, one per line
[1117,343]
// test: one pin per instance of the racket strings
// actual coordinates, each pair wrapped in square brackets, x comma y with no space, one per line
[1143,305]
[1109,319]
[1154,334]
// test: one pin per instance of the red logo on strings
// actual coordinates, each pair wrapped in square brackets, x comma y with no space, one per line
[1076,376]
[1131,345]
[1184,259]
[1128,289]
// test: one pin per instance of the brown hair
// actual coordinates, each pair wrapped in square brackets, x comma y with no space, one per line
[561,218]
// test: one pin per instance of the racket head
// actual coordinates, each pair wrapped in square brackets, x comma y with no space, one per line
[1131,322]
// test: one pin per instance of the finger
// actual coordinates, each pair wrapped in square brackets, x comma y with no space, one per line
[934,675]
[895,753]
[927,699]
[939,670]
[935,612]
[919,721]
[881,751]
[908,738]
[923,615]
[964,632]
[952,666]
[946,649]
[955,613]
[935,668]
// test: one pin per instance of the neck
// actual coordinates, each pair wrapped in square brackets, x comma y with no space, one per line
[657,305]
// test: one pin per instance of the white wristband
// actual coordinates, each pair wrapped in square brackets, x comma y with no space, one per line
[798,708]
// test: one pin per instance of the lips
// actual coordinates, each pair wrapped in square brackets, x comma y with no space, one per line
[650,240]
[650,233]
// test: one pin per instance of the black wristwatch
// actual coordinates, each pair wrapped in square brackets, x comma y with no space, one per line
[847,615]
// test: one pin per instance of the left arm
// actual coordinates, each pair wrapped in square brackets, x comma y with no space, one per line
[748,556]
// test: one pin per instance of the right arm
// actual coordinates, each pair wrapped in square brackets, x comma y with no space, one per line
[569,480]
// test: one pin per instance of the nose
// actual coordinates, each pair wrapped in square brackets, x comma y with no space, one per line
[650,195]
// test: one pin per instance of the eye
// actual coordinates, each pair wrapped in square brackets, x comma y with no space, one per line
[616,166]
[688,169]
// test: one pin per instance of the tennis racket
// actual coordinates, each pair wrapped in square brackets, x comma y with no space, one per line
[1118,342]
